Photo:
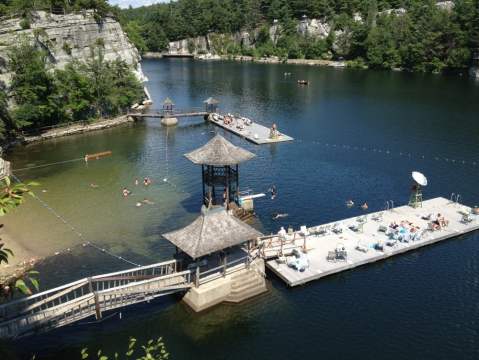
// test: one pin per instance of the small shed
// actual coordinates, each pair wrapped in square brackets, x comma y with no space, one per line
[214,230]
[211,105]
[168,105]
[219,160]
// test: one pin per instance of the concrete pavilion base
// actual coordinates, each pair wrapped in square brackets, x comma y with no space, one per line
[169,121]
[236,287]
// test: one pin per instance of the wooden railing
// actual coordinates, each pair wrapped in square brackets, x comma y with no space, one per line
[90,296]
[222,270]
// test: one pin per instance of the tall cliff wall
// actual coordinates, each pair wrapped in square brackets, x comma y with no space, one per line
[69,37]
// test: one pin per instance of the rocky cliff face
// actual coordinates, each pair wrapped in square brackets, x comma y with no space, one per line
[69,37]
[212,43]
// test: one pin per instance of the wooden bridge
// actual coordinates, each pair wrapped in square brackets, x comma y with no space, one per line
[90,297]
[172,114]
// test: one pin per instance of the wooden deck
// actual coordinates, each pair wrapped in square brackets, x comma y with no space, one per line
[256,133]
[319,246]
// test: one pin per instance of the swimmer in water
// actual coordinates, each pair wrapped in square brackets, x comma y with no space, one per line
[94,186]
[273,192]
[138,204]
[277,216]
[365,206]
[148,202]
[146,181]
[137,182]
[350,203]
[125,192]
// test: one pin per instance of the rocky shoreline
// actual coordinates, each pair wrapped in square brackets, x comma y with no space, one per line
[78,129]
[243,58]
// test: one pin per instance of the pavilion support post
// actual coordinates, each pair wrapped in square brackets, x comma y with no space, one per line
[203,182]
[197,277]
[227,195]
[224,264]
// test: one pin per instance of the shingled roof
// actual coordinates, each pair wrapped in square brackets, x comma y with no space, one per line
[212,231]
[219,152]
[211,101]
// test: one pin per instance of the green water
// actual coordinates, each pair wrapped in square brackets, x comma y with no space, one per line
[358,134]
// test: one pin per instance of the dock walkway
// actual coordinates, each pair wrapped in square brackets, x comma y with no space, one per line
[367,236]
[256,133]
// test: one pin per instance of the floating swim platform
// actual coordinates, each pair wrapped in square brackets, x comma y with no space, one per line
[361,245]
[254,132]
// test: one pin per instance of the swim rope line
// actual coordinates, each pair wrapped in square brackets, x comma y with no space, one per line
[75,231]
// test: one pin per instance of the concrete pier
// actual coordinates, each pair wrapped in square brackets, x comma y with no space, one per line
[256,133]
[361,235]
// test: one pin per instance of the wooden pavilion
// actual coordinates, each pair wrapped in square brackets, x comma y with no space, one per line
[214,231]
[211,105]
[219,160]
[168,106]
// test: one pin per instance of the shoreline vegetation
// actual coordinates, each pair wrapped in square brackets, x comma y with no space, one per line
[416,36]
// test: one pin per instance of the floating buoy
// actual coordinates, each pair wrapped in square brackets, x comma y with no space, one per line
[97,156]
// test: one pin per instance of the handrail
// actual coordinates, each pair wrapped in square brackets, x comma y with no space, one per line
[84,280]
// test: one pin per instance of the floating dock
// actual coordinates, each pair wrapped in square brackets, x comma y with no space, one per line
[366,235]
[254,132]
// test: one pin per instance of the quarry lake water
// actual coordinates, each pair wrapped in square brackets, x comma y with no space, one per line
[358,135]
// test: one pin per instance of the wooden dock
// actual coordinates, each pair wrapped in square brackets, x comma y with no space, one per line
[161,115]
[256,133]
[363,241]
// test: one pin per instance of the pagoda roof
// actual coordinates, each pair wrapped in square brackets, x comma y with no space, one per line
[211,101]
[219,152]
[212,231]
[168,101]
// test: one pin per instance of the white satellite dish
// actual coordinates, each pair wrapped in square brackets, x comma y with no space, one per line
[419,178]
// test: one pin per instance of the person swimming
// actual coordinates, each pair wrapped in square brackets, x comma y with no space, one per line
[94,186]
[350,203]
[148,202]
[365,206]
[126,192]
[277,216]
[137,182]
[146,181]
[273,192]
[138,204]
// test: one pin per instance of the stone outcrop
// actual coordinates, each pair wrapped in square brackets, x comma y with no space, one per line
[69,37]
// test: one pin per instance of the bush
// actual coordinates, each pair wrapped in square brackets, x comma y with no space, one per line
[25,24]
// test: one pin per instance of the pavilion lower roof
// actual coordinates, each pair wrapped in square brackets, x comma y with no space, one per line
[214,230]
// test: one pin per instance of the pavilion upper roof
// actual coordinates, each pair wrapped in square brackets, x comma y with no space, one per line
[219,152]
[212,231]
[211,101]
[168,101]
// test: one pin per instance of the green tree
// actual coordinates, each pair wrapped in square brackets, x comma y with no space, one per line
[33,87]
[11,197]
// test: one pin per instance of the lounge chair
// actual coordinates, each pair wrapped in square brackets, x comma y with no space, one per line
[466,219]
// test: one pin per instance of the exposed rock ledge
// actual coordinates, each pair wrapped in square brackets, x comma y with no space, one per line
[69,37]
[78,129]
